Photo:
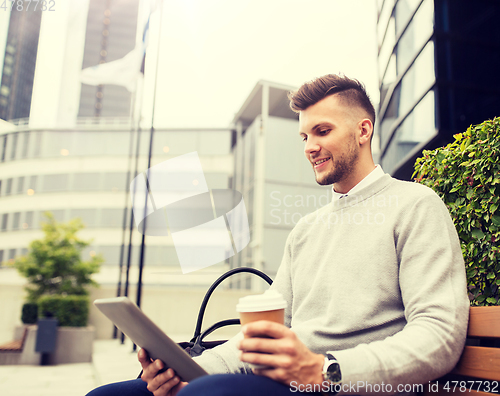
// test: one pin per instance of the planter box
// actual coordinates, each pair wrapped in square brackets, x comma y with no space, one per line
[73,345]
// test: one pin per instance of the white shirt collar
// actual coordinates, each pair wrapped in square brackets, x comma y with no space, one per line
[372,177]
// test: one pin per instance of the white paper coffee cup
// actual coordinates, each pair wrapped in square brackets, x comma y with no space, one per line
[268,306]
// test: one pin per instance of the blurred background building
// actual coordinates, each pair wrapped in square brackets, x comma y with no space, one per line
[110,35]
[438,70]
[17,62]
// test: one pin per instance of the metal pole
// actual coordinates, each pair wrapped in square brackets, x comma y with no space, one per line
[151,136]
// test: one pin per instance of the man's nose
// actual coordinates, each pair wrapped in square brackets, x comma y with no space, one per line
[311,146]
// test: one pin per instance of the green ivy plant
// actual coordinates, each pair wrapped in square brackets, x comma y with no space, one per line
[466,175]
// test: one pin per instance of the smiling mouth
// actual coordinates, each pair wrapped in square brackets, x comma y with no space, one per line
[320,163]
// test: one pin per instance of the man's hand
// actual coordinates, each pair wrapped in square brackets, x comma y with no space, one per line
[159,383]
[289,359]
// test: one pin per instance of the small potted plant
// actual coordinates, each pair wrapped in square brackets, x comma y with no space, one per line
[57,284]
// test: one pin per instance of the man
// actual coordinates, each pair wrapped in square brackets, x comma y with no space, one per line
[375,280]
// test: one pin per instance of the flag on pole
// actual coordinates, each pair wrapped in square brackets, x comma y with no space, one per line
[124,71]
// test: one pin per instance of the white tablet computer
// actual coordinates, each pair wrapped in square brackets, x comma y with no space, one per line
[128,317]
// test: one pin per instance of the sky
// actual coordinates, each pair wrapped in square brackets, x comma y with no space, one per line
[212,53]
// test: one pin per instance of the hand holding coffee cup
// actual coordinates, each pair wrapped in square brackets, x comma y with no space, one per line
[268,306]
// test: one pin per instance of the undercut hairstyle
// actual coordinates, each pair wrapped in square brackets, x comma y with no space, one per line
[350,91]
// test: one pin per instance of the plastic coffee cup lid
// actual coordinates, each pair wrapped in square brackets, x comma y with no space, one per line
[268,301]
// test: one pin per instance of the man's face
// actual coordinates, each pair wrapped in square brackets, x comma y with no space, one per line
[328,129]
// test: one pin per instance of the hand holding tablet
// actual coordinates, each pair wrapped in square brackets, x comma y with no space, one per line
[146,334]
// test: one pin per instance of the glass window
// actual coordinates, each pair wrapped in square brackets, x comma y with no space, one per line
[404,11]
[160,255]
[214,143]
[420,124]
[418,79]
[0,187]
[1,257]
[57,182]
[86,181]
[15,138]
[28,220]
[116,181]
[418,32]
[24,252]
[57,144]
[20,185]
[38,144]
[59,215]
[101,143]
[12,254]
[88,216]
[412,86]
[16,220]
[111,254]
[4,90]
[33,183]
[389,79]
[8,189]
[4,147]
[418,127]
[181,142]
[111,218]
[384,19]
[26,143]
[387,48]
[5,220]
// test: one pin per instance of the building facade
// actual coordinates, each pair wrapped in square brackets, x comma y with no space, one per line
[110,35]
[438,71]
[19,59]
[84,173]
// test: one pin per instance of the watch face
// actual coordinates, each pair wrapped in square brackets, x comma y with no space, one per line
[333,372]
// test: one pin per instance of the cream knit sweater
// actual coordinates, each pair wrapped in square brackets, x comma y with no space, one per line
[377,278]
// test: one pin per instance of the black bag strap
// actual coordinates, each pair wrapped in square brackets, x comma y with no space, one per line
[201,313]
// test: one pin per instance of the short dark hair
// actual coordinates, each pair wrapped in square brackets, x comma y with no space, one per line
[351,91]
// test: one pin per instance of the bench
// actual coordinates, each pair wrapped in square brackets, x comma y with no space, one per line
[22,349]
[478,370]
[16,345]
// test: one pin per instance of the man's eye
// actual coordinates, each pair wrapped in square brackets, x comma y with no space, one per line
[324,132]
[304,138]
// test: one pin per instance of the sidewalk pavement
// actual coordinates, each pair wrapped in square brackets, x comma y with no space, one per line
[112,362]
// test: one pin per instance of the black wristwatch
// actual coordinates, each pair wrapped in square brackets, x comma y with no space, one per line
[332,374]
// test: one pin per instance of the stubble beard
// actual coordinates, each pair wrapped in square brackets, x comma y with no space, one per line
[341,167]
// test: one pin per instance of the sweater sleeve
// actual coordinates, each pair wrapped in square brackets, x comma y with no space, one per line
[436,307]
[223,359]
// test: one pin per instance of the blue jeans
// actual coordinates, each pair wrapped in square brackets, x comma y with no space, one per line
[209,385]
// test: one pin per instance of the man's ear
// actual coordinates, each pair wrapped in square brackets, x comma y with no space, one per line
[365,131]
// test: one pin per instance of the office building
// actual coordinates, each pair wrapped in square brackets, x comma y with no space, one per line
[83,173]
[19,59]
[438,71]
[110,35]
